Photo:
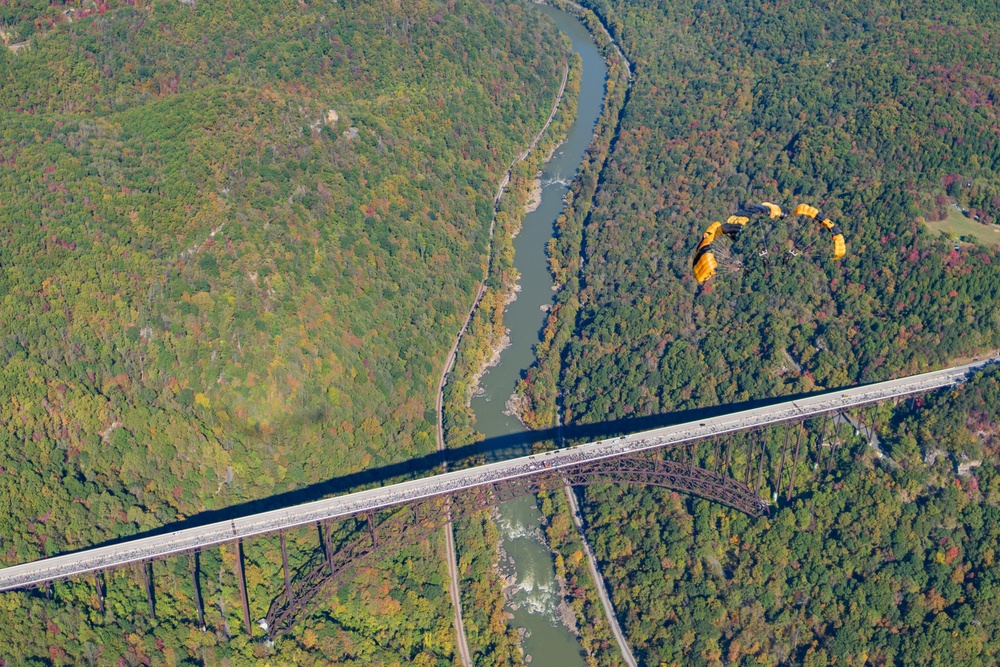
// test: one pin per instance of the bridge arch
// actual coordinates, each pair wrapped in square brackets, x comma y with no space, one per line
[420,520]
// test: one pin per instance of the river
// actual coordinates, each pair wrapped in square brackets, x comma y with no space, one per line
[537,597]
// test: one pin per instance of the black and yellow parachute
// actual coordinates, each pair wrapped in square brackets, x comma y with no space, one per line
[713,246]
[839,246]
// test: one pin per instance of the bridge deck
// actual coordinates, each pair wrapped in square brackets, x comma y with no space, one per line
[180,541]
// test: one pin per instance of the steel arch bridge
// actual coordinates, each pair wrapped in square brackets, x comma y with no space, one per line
[419,520]
[401,513]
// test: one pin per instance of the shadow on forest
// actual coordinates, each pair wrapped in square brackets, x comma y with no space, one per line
[492,449]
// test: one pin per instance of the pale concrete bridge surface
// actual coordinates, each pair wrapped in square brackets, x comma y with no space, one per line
[158,546]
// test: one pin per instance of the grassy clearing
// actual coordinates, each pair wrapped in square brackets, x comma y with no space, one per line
[958,225]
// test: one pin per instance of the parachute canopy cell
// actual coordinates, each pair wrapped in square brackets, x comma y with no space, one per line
[765,208]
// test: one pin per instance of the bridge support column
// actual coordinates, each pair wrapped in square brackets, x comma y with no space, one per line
[795,463]
[324,538]
[729,455]
[781,464]
[750,450]
[147,576]
[872,412]
[284,565]
[241,580]
[197,590]
[760,462]
[370,519]
[100,591]
[716,461]
[822,436]
[834,441]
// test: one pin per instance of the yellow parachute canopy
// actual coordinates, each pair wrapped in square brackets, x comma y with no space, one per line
[839,245]
[704,263]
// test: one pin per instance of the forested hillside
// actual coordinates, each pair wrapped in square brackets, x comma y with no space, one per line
[237,240]
[882,115]
[874,563]
[873,114]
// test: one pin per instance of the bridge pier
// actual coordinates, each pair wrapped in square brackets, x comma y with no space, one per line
[324,538]
[100,591]
[147,577]
[284,565]
[241,580]
[833,442]
[197,590]
[760,462]
[370,519]
[781,464]
[795,463]
[729,455]
[872,413]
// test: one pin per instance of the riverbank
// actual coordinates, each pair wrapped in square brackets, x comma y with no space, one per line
[501,189]
[535,196]
[483,336]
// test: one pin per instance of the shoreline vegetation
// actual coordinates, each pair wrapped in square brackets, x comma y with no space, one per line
[484,337]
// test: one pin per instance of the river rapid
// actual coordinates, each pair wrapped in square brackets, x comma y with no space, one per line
[536,598]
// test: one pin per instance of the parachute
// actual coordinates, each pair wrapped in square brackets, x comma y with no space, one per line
[715,248]
[839,246]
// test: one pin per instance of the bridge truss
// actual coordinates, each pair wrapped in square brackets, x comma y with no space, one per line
[424,518]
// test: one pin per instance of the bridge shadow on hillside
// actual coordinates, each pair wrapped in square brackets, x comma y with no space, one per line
[491,449]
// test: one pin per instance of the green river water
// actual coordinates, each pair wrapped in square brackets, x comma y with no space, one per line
[536,599]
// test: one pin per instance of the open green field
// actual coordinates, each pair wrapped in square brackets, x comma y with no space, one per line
[956,223]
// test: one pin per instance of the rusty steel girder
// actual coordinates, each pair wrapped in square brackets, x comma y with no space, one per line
[419,520]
